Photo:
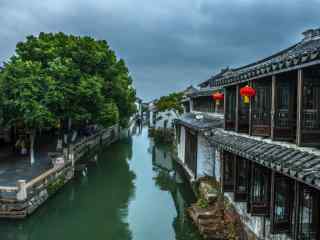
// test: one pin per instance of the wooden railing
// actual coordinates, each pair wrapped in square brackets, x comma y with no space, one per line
[311,119]
[260,117]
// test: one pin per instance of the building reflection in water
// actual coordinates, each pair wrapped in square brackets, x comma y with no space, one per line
[170,177]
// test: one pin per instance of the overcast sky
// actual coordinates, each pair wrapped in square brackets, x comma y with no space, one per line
[167,44]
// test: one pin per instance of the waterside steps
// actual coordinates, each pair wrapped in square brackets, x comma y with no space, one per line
[23,199]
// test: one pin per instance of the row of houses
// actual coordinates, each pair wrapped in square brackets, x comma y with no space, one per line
[165,119]
[256,130]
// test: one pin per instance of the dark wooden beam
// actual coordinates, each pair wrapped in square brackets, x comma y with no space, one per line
[225,107]
[299,107]
[296,203]
[250,111]
[273,105]
[237,107]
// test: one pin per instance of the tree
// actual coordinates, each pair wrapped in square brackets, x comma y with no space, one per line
[73,61]
[171,102]
[25,92]
[63,78]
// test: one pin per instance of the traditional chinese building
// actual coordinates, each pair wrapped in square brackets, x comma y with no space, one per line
[262,139]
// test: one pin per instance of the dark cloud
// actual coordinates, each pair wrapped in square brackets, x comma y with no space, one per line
[167,44]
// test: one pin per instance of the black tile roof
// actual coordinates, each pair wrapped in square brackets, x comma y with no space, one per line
[210,81]
[304,53]
[207,122]
[296,163]
[202,93]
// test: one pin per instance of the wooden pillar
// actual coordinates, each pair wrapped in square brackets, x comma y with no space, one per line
[221,170]
[250,111]
[273,105]
[295,209]
[225,106]
[299,108]
[237,107]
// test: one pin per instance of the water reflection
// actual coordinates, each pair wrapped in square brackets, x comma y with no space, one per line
[170,178]
[135,191]
[94,206]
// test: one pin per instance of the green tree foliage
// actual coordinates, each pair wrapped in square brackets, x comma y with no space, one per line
[59,77]
[85,73]
[171,102]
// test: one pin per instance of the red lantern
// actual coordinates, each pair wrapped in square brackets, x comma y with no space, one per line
[247,92]
[218,96]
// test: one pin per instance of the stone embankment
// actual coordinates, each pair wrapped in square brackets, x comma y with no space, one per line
[22,200]
[214,216]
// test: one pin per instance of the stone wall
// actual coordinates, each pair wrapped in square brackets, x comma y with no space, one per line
[26,197]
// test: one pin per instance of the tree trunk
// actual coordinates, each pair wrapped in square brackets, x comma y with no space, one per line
[32,139]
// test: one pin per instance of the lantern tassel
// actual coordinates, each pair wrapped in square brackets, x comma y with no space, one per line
[246,99]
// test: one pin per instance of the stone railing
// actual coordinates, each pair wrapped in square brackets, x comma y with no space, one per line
[24,198]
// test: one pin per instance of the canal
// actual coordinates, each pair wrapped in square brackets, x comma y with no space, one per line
[134,192]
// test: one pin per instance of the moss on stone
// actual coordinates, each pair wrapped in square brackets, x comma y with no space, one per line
[55,185]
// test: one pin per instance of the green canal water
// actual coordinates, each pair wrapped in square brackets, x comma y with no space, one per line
[134,192]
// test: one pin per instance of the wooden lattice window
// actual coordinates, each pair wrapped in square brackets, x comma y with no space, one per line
[262,104]
[281,203]
[241,179]
[260,190]
[228,172]
[308,213]
[230,113]
[311,99]
[191,148]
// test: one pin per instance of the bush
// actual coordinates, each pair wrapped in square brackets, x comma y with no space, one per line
[202,203]
[162,135]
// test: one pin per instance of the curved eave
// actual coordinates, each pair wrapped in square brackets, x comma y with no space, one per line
[295,163]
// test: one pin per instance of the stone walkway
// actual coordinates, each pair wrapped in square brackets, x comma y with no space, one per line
[14,167]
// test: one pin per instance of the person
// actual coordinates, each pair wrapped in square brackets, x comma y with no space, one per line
[18,145]
[23,147]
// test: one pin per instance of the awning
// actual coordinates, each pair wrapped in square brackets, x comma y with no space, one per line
[296,163]
[200,122]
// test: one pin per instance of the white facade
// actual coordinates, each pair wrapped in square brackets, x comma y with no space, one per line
[181,144]
[205,158]
[205,154]
[161,119]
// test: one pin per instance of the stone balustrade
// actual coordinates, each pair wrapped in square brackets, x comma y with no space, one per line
[24,198]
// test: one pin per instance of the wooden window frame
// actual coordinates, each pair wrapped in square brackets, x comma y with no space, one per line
[230,108]
[228,161]
[281,184]
[300,190]
[241,166]
[260,207]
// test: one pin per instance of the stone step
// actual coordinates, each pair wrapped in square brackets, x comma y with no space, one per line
[209,221]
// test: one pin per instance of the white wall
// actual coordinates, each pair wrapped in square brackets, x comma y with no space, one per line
[181,145]
[151,116]
[217,166]
[205,158]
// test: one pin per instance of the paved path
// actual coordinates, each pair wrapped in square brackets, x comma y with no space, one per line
[14,167]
